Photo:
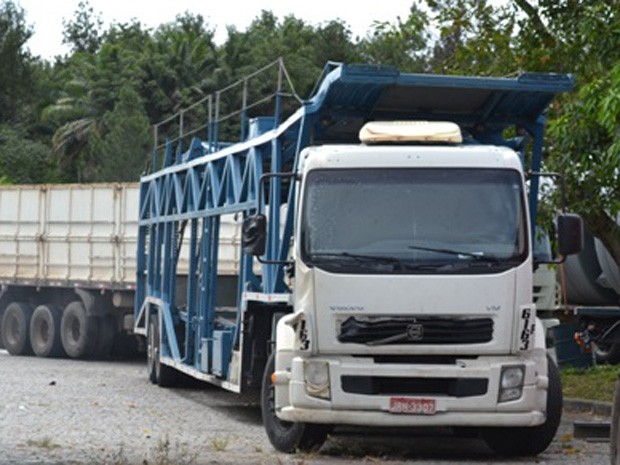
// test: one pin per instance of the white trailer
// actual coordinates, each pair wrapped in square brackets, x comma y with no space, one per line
[68,268]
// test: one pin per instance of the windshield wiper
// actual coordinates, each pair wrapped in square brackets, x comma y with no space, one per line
[477,256]
[398,263]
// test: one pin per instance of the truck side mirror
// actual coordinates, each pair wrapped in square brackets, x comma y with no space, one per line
[570,234]
[254,234]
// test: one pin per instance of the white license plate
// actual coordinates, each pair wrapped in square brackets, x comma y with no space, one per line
[412,406]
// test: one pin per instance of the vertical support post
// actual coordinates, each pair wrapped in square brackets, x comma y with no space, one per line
[192,279]
[538,132]
[278,110]
[244,116]
[214,234]
[167,264]
[216,122]
[210,123]
[273,238]
[208,278]
[155,136]
[141,264]
[179,150]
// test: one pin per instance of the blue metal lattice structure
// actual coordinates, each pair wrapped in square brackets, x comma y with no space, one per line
[188,195]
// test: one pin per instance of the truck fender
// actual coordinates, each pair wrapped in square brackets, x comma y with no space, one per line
[539,335]
[285,334]
[93,304]
[298,335]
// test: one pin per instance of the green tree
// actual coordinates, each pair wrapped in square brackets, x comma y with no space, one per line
[16,80]
[403,44]
[23,160]
[304,48]
[584,143]
[179,66]
[122,150]
[83,33]
[475,37]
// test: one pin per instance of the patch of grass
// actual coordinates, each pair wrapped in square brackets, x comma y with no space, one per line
[42,443]
[219,444]
[593,383]
[167,454]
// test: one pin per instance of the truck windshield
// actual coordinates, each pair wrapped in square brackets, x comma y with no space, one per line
[413,220]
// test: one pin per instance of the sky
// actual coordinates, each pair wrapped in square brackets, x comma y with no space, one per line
[46,16]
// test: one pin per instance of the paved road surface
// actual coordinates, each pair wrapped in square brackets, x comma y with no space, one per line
[74,412]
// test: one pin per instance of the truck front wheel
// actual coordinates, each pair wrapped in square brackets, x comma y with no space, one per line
[159,374]
[286,436]
[16,328]
[521,442]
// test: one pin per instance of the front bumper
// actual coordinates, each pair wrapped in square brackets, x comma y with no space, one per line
[351,408]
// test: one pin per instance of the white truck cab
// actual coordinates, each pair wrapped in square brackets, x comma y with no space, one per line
[413,296]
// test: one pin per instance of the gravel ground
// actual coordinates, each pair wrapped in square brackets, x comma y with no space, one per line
[80,412]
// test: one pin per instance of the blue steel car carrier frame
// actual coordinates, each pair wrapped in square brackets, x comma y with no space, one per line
[189,190]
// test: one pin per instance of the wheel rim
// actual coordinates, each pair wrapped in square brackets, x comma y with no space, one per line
[75,329]
[41,332]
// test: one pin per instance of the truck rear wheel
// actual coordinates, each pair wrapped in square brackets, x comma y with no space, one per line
[16,328]
[530,441]
[45,331]
[286,436]
[78,331]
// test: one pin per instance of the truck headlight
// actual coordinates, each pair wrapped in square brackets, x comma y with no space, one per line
[316,375]
[511,383]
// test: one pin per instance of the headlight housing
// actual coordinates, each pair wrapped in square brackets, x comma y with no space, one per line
[511,383]
[316,376]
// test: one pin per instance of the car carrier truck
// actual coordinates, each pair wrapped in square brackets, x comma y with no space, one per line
[385,280]
[68,268]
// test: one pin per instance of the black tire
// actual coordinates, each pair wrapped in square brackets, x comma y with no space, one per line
[286,436]
[16,328]
[615,427]
[607,353]
[106,329]
[160,374]
[152,352]
[78,331]
[522,442]
[45,331]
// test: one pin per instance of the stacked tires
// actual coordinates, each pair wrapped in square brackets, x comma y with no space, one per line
[51,331]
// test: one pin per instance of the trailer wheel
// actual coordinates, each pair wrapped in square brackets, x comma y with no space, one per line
[152,352]
[159,374]
[521,442]
[16,328]
[78,331]
[45,331]
[286,436]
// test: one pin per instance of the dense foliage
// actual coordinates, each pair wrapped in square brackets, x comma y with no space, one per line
[87,116]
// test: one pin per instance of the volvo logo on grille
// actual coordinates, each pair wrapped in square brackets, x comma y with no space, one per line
[415,332]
